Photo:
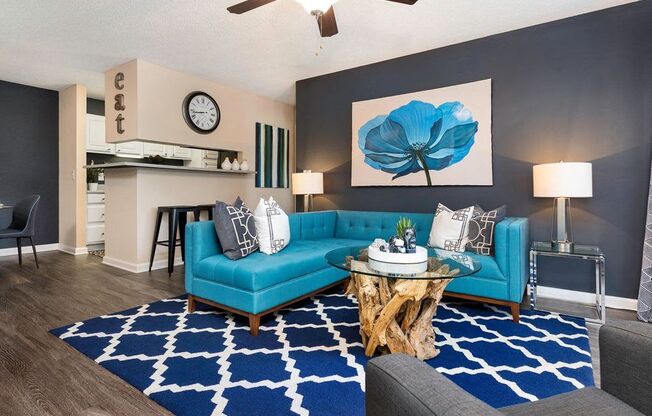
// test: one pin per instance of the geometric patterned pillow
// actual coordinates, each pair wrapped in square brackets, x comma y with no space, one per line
[272,226]
[482,229]
[450,229]
[235,229]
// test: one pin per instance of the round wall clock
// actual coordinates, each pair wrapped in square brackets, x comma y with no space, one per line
[201,112]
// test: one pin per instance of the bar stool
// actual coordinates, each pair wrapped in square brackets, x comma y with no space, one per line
[177,219]
[205,207]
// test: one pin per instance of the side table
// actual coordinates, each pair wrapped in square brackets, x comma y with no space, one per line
[584,252]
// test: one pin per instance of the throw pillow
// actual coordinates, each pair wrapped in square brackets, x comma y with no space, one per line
[272,226]
[235,229]
[482,229]
[450,229]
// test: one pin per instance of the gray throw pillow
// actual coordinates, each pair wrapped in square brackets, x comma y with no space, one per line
[482,229]
[235,229]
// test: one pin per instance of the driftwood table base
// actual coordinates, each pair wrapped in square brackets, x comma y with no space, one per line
[396,314]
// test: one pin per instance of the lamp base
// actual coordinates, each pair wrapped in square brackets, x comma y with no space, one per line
[563,246]
[562,230]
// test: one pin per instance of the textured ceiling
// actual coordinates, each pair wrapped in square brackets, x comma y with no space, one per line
[55,43]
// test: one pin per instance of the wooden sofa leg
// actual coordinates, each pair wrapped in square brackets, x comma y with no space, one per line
[516,311]
[254,323]
[191,304]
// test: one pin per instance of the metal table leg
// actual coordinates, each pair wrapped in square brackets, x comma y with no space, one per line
[533,280]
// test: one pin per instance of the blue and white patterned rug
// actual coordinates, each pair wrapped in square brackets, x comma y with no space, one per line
[309,359]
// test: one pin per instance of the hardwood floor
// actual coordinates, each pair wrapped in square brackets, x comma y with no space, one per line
[41,375]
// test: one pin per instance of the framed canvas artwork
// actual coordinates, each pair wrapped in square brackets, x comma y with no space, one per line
[426,138]
[272,156]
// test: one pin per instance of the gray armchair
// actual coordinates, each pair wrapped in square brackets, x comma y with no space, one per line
[23,225]
[400,385]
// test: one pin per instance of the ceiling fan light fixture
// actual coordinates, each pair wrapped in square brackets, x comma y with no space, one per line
[319,6]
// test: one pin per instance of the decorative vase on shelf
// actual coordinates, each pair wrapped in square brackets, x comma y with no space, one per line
[244,165]
[226,164]
[235,165]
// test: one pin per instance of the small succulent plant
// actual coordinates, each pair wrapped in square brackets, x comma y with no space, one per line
[403,224]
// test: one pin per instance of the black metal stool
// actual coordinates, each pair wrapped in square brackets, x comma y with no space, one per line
[177,219]
[205,207]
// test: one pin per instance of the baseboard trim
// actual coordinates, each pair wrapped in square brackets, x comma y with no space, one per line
[587,298]
[138,267]
[13,251]
[75,251]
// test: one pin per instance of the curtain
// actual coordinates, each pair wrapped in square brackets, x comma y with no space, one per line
[645,291]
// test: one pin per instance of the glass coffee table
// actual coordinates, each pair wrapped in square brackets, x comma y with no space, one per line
[396,310]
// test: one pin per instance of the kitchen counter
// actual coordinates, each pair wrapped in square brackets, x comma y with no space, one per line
[168,167]
[134,191]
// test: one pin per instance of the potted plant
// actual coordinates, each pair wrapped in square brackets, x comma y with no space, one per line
[92,175]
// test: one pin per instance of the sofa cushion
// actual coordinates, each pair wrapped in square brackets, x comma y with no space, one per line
[259,271]
[367,225]
[588,401]
[317,225]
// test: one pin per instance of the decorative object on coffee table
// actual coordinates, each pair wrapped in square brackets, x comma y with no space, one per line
[395,310]
[562,181]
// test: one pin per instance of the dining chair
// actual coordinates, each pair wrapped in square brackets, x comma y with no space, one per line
[22,225]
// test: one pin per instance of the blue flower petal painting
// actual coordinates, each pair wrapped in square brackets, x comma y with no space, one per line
[418,136]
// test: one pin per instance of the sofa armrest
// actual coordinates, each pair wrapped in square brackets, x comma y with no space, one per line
[512,246]
[626,363]
[400,385]
[201,242]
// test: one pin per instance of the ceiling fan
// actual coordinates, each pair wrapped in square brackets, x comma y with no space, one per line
[321,9]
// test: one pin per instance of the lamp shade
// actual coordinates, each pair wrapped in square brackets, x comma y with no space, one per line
[570,180]
[307,183]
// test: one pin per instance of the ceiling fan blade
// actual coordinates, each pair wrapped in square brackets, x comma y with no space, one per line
[410,2]
[247,5]
[327,23]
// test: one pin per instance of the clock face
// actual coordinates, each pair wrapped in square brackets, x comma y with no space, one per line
[201,112]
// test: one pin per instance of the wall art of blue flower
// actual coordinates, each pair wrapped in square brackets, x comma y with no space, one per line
[417,137]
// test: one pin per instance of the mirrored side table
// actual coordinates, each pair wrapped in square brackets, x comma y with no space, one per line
[584,252]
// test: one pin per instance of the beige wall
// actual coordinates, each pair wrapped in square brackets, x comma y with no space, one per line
[134,194]
[72,176]
[154,96]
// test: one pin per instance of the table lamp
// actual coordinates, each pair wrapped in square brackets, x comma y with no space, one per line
[307,183]
[562,181]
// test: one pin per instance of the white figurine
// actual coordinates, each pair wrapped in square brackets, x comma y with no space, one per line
[235,165]
[226,165]
[244,165]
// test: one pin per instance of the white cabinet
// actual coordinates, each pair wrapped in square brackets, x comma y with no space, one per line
[95,233]
[129,149]
[155,149]
[211,154]
[95,212]
[95,218]
[178,152]
[95,135]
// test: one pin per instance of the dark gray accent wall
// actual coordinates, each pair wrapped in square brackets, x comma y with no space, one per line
[29,155]
[578,89]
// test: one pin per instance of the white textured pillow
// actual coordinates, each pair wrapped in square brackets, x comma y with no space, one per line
[450,229]
[272,226]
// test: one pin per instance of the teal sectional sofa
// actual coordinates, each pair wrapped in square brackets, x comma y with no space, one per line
[260,284]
